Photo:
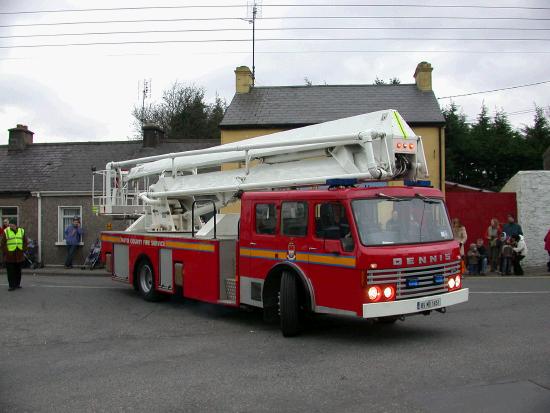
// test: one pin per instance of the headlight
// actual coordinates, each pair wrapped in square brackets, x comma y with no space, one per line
[374,293]
[451,283]
[389,292]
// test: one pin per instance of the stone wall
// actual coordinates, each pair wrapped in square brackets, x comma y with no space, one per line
[532,190]
[54,252]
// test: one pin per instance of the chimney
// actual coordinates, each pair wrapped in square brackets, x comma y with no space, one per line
[19,137]
[423,76]
[243,79]
[152,135]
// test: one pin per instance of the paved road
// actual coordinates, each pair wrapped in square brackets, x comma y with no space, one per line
[87,344]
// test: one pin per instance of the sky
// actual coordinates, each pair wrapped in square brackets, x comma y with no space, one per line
[85,93]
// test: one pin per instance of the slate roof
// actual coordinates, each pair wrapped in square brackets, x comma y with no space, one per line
[306,105]
[67,166]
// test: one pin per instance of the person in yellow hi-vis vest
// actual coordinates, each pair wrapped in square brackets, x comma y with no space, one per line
[13,243]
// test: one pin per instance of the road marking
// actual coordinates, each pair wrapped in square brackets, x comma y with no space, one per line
[93,287]
[509,292]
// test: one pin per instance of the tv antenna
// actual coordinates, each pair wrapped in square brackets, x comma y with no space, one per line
[253,11]
[145,93]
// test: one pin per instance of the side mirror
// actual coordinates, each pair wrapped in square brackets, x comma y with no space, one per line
[347,244]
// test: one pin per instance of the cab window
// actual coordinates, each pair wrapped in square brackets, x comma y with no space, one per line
[294,219]
[266,219]
[331,221]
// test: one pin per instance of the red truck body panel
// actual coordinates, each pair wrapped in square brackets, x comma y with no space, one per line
[337,279]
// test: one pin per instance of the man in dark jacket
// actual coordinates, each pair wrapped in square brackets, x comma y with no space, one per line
[13,243]
[511,227]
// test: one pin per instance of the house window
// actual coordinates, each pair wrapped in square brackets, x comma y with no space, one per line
[9,212]
[65,218]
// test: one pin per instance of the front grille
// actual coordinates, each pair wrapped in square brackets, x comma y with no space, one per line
[416,281]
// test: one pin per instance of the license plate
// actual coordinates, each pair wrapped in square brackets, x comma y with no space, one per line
[428,304]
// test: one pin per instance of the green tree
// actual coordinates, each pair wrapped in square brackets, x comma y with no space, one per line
[457,133]
[538,135]
[490,151]
[183,113]
[392,81]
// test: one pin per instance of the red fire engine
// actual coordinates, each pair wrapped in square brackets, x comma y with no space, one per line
[381,252]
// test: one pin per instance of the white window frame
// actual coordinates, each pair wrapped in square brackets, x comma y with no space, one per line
[2,207]
[60,227]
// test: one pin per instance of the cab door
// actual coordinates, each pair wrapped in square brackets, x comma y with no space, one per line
[292,240]
[332,258]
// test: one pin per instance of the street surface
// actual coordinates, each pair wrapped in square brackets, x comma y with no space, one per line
[88,344]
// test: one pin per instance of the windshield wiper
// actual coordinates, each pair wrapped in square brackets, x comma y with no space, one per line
[391,198]
[427,200]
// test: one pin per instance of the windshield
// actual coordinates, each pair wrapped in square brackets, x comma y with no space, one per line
[391,220]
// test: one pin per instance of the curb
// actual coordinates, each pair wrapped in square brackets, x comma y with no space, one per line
[60,271]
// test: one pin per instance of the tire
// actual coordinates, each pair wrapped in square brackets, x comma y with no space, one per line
[289,305]
[146,282]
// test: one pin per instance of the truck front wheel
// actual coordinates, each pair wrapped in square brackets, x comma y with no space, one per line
[289,305]
[146,282]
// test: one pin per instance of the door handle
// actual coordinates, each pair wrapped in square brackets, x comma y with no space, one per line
[312,249]
[252,243]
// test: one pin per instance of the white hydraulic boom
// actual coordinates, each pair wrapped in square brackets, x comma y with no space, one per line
[373,146]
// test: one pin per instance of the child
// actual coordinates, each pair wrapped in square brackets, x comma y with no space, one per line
[473,259]
[506,258]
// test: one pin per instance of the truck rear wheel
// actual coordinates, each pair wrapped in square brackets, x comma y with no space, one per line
[289,305]
[146,282]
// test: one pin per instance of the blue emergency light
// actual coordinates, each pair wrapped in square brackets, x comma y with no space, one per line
[342,182]
[412,182]
[411,282]
[439,279]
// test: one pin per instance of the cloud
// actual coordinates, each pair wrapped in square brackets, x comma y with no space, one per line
[29,102]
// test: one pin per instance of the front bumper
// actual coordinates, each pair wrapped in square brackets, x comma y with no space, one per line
[411,305]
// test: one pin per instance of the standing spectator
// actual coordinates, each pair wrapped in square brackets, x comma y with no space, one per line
[482,251]
[459,234]
[13,242]
[492,238]
[473,259]
[506,255]
[520,251]
[511,227]
[547,247]
[5,224]
[73,236]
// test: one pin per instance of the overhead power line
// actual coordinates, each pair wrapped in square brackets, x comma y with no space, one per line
[227,6]
[281,39]
[301,52]
[268,29]
[496,90]
[201,19]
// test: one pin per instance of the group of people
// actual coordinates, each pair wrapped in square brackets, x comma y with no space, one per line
[14,241]
[505,249]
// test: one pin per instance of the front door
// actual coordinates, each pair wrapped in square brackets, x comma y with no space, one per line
[331,258]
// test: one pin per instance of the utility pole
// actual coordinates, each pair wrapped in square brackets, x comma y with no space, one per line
[254,11]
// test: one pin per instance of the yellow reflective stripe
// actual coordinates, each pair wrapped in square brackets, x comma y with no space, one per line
[194,246]
[320,259]
[110,238]
[258,253]
[328,260]
[399,123]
